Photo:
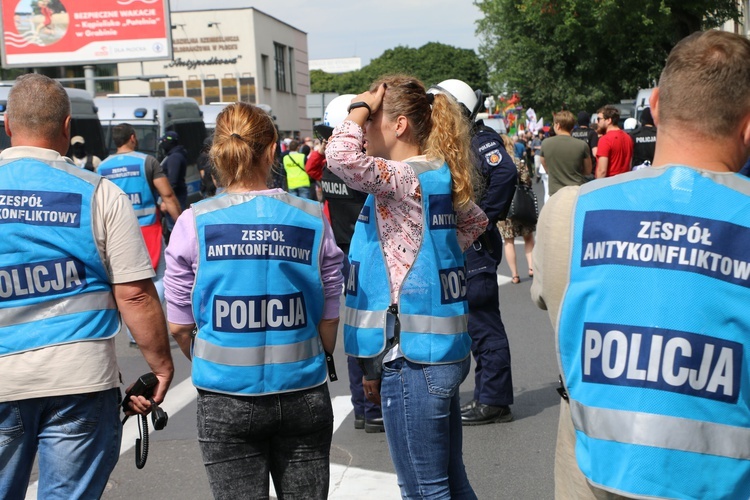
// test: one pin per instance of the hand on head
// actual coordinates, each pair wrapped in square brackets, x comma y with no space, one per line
[373,99]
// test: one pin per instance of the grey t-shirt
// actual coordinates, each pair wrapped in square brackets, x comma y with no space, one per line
[564,157]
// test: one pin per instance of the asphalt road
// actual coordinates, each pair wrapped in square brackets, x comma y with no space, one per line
[503,461]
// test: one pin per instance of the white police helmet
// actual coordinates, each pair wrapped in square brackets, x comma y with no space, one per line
[336,111]
[630,124]
[461,92]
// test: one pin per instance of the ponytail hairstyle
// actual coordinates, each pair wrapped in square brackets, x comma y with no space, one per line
[438,126]
[240,151]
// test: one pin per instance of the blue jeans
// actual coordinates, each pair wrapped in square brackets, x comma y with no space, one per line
[243,438]
[302,192]
[422,417]
[77,438]
[362,405]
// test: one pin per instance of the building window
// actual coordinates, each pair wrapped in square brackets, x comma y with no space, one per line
[280,67]
[264,76]
[291,70]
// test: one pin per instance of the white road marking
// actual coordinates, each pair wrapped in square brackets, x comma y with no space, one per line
[346,482]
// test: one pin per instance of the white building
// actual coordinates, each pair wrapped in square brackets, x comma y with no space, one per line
[233,55]
[743,27]
[338,65]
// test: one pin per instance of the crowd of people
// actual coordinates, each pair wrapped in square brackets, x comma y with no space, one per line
[416,196]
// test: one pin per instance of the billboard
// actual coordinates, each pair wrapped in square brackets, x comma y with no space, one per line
[69,32]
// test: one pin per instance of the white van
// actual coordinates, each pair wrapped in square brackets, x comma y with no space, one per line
[495,122]
[211,111]
[152,117]
[84,120]
[642,102]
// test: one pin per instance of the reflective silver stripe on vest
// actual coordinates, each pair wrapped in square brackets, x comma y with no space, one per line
[145,211]
[421,167]
[416,323]
[730,180]
[257,356]
[662,431]
[364,319]
[233,199]
[67,305]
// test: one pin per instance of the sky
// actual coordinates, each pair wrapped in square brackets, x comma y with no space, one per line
[355,28]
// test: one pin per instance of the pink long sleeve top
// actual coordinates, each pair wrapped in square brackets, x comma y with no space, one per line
[398,199]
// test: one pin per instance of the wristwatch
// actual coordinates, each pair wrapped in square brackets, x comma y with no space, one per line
[359,104]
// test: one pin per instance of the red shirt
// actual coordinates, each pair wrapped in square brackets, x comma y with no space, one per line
[618,147]
[314,165]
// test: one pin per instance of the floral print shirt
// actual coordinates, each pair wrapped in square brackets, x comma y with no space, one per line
[398,198]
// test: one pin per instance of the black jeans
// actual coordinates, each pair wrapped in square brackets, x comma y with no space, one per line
[242,439]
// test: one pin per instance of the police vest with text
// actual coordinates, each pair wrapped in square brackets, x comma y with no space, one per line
[296,176]
[54,287]
[258,295]
[432,303]
[653,334]
[344,205]
[128,171]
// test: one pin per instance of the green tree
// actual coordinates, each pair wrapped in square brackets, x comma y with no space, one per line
[586,53]
[431,63]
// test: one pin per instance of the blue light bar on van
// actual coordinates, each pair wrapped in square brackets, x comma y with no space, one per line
[3,106]
[140,112]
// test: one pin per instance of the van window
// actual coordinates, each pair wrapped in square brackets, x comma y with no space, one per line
[4,139]
[91,131]
[192,135]
[147,135]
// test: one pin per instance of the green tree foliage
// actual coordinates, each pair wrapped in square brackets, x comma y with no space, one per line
[586,53]
[431,63]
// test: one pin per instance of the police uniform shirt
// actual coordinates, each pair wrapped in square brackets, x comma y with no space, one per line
[344,204]
[644,146]
[589,136]
[46,372]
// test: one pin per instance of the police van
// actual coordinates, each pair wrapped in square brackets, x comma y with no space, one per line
[495,122]
[152,117]
[84,120]
[642,102]
[211,111]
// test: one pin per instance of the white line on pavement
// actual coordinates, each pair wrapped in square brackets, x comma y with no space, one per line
[346,482]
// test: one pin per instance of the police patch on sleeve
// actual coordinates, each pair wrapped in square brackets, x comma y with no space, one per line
[493,157]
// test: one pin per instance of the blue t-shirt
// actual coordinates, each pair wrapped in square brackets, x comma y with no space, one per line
[519,148]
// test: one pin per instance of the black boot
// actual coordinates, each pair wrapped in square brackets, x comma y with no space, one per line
[486,414]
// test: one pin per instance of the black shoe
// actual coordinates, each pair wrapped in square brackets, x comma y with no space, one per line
[359,421]
[486,414]
[465,408]
[373,425]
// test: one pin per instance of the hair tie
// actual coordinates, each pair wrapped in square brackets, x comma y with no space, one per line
[238,136]
[430,98]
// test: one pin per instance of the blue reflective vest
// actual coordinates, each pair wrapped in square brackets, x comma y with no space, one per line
[432,303]
[128,171]
[258,295]
[54,287]
[653,334]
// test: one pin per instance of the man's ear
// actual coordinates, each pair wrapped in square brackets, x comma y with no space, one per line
[745,129]
[7,126]
[66,128]
[653,101]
